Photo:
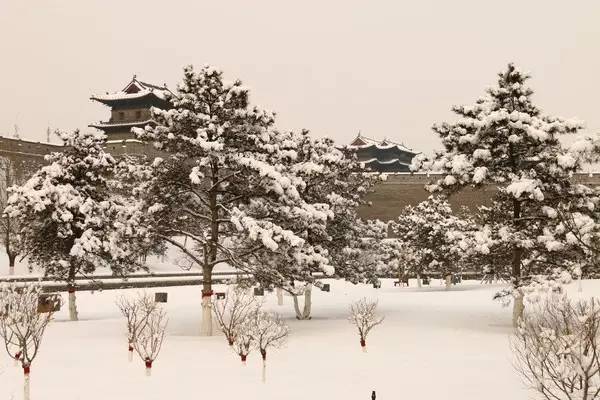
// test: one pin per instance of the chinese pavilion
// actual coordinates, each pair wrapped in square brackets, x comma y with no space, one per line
[382,156]
[130,108]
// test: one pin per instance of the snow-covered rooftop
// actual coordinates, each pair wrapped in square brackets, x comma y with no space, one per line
[362,141]
[134,90]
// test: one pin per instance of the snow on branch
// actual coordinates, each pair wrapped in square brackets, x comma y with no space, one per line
[557,348]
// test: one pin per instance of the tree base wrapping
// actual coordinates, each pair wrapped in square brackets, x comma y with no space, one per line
[148,368]
[130,353]
[26,383]
[243,357]
[206,328]
[73,315]
[363,345]
[518,308]
[17,358]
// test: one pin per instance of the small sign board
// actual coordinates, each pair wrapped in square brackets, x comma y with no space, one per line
[326,287]
[258,291]
[49,303]
[160,297]
[220,295]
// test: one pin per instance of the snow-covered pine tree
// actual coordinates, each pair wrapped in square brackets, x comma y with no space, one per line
[70,222]
[437,239]
[505,140]
[11,173]
[340,239]
[222,179]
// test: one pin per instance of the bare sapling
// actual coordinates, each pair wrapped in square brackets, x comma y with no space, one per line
[234,311]
[11,342]
[557,348]
[22,326]
[363,315]
[149,337]
[243,340]
[136,311]
[269,331]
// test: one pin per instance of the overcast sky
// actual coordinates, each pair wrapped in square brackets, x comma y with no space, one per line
[388,68]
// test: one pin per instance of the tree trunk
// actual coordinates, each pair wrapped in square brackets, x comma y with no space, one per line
[518,308]
[148,368]
[579,285]
[307,301]
[448,281]
[73,315]
[419,284]
[263,353]
[304,314]
[72,298]
[130,353]
[279,296]
[206,328]
[11,264]
[26,384]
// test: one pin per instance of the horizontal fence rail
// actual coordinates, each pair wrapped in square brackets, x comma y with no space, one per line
[167,279]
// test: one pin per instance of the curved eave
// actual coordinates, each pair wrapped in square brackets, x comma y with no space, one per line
[379,147]
[130,100]
[390,162]
[108,127]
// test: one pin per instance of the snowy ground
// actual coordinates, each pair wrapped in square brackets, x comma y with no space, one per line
[434,344]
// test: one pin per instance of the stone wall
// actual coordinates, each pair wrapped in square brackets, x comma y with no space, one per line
[400,190]
[388,199]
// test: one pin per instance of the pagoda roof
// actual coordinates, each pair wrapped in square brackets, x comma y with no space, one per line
[363,142]
[134,91]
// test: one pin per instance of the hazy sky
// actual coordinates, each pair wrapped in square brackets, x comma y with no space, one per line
[388,68]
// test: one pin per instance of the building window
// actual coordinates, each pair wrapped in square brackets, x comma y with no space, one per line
[121,115]
[138,115]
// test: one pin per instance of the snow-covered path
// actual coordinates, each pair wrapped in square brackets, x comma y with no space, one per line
[433,344]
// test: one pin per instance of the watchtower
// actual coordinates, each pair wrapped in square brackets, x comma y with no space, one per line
[130,108]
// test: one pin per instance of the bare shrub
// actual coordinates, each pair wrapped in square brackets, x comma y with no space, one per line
[363,315]
[268,331]
[243,340]
[149,337]
[22,326]
[136,311]
[557,348]
[234,311]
